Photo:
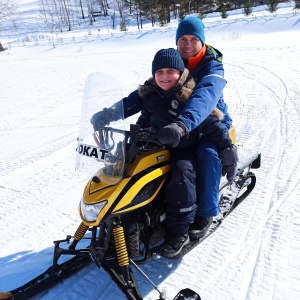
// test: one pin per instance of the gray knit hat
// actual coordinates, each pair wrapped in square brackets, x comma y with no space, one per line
[167,58]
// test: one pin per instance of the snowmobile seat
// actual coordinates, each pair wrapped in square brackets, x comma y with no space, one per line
[232,134]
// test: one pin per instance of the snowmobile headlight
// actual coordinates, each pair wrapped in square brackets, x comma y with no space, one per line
[90,212]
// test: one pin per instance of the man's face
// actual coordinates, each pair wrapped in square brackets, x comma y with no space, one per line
[167,78]
[188,46]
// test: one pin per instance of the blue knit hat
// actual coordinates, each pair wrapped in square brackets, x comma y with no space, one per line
[191,26]
[167,58]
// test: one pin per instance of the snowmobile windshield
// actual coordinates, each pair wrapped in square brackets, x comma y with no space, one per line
[100,149]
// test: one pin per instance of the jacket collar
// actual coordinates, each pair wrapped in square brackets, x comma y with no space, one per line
[195,60]
[182,90]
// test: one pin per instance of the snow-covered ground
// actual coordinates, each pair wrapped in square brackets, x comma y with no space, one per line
[253,255]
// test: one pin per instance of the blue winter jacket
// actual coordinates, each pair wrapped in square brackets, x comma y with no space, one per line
[208,93]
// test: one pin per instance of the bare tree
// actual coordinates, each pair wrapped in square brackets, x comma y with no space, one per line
[81,9]
[8,11]
[120,5]
[104,6]
[66,11]
[62,13]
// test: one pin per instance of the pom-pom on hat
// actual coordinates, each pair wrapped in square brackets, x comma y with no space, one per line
[191,26]
[167,58]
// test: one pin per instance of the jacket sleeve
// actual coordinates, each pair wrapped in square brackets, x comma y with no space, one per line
[144,119]
[132,104]
[208,91]
[216,131]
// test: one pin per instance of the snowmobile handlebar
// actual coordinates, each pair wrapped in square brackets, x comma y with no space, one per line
[148,135]
[136,132]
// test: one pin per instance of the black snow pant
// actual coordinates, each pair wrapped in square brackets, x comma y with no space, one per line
[181,190]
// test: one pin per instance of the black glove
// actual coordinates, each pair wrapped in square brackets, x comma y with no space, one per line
[103,117]
[229,158]
[172,133]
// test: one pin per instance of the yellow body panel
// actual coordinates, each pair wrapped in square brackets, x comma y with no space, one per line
[133,191]
[232,134]
[96,192]
[148,159]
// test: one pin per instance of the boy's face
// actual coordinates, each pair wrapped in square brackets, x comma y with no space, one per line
[167,78]
[188,46]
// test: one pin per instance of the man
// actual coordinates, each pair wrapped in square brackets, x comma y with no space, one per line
[205,64]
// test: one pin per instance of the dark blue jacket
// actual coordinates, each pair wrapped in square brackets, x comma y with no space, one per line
[158,110]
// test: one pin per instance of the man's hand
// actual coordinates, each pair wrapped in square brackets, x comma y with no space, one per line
[229,158]
[171,134]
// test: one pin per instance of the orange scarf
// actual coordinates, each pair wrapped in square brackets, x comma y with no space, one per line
[194,61]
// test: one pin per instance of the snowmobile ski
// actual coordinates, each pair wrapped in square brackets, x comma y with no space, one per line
[187,294]
[48,278]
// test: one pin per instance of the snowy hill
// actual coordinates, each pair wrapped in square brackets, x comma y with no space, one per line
[253,255]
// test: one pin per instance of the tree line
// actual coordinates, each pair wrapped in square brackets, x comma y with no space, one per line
[64,15]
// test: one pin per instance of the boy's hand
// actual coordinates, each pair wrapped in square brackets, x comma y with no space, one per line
[171,134]
[229,158]
[102,118]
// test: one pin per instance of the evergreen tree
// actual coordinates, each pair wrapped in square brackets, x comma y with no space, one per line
[272,5]
[247,8]
[162,17]
[224,14]
[123,25]
[297,4]
[201,12]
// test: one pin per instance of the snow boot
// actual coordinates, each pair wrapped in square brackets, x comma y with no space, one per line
[173,244]
[199,228]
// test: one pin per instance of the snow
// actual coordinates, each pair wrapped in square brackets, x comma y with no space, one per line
[253,255]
